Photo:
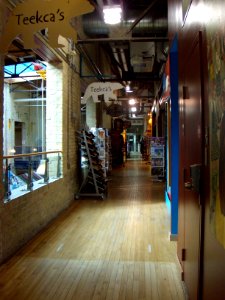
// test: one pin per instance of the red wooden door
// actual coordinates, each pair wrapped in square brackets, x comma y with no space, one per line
[192,161]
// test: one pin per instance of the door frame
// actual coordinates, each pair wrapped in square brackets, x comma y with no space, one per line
[182,255]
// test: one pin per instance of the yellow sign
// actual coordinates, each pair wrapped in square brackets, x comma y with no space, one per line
[42,73]
[32,16]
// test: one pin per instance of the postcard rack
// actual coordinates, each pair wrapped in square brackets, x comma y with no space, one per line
[94,182]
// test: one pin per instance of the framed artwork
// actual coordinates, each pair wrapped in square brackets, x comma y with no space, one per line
[185,7]
[216,70]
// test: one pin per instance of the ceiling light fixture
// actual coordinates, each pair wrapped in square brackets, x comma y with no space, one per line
[132,101]
[112,14]
[128,90]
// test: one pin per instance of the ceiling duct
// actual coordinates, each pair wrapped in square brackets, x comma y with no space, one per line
[142,56]
[94,27]
[136,43]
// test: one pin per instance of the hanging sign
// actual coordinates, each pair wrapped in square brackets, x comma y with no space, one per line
[107,89]
[32,16]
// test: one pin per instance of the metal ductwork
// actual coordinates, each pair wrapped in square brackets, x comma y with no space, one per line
[142,18]
[134,51]
[137,45]
[94,26]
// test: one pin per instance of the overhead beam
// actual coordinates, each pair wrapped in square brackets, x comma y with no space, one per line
[123,39]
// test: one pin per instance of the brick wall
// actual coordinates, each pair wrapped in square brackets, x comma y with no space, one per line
[25,216]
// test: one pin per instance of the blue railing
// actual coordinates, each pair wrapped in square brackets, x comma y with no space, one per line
[23,173]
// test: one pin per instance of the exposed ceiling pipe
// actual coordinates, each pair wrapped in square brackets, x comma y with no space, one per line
[90,62]
[115,53]
[143,14]
[99,8]
[137,26]
[156,25]
[123,60]
[123,39]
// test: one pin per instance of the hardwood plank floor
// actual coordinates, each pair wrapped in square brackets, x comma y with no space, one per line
[117,248]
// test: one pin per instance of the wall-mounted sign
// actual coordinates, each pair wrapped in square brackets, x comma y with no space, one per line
[137,122]
[32,16]
[107,89]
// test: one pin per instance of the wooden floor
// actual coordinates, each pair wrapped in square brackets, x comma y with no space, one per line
[116,248]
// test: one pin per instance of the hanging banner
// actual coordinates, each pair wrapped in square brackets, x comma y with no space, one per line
[32,16]
[96,89]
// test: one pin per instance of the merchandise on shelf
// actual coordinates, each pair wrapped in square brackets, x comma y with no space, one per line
[157,156]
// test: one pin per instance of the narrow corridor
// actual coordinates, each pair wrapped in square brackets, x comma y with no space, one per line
[117,248]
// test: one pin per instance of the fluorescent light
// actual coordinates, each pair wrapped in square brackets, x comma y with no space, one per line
[112,14]
[133,109]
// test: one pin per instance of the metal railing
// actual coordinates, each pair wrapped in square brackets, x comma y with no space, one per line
[26,172]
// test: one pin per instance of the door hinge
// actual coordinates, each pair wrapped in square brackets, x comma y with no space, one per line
[183,254]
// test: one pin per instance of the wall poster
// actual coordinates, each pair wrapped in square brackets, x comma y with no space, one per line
[216,69]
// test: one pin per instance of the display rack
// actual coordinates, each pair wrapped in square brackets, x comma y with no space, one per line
[94,181]
[102,142]
[108,148]
[157,157]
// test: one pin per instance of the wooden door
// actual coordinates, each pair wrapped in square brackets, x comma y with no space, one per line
[191,164]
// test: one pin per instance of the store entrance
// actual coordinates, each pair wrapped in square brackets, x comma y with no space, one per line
[133,146]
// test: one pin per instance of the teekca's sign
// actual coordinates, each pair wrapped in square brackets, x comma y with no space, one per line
[39,18]
[100,89]
[106,89]
[32,16]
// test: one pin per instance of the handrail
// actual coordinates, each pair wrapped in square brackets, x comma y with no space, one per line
[30,169]
[31,154]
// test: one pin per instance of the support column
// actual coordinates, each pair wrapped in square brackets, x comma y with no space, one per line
[91,114]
